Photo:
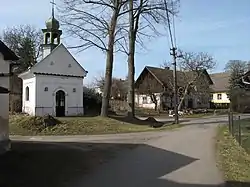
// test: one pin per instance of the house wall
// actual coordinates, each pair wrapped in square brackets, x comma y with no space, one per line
[4,68]
[4,109]
[46,100]
[224,98]
[201,101]
[29,106]
[139,101]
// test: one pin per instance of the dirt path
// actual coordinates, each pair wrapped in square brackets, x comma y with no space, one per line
[183,158]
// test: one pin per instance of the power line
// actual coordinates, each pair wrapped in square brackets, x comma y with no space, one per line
[173,52]
[169,26]
[174,26]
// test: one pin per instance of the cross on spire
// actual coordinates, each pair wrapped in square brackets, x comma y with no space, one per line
[53,8]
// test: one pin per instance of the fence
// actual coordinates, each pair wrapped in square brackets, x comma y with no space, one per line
[240,130]
[234,126]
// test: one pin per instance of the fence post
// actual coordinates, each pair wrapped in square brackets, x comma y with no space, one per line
[239,126]
[232,124]
[229,121]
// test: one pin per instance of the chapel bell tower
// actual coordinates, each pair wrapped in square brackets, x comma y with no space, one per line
[51,35]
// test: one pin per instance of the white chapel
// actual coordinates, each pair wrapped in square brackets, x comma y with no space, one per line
[53,85]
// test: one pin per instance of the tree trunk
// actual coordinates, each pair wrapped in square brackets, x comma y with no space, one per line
[156,106]
[131,63]
[107,85]
[109,66]
[183,98]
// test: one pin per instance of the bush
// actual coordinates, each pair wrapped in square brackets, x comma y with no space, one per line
[92,101]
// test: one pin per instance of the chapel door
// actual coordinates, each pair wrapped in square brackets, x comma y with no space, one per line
[60,103]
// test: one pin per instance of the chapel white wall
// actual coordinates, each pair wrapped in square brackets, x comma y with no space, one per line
[45,100]
[60,62]
[29,106]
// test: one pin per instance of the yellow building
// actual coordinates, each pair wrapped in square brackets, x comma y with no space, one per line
[219,90]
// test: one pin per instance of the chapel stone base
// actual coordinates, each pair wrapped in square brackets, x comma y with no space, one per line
[70,111]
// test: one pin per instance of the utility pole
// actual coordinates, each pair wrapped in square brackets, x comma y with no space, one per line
[174,54]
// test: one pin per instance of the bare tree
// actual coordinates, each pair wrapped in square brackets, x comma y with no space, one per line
[192,74]
[95,23]
[144,16]
[193,67]
[25,41]
[118,87]
[237,86]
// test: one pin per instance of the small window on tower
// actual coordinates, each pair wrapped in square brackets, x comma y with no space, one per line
[55,38]
[69,66]
[47,38]
[74,90]
[51,63]
[46,89]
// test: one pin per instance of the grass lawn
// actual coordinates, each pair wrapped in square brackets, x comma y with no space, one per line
[232,159]
[245,132]
[27,125]
[144,112]
[197,115]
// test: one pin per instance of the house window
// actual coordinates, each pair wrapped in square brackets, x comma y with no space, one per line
[74,90]
[219,96]
[27,94]
[46,89]
[211,97]
[144,100]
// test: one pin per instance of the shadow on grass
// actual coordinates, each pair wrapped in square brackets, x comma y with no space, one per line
[68,164]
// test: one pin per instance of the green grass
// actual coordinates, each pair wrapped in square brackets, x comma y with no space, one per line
[232,159]
[27,125]
[245,132]
[197,115]
[144,112]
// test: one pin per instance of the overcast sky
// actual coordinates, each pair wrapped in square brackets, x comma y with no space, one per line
[219,27]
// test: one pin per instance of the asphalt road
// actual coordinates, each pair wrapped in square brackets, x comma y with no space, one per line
[183,157]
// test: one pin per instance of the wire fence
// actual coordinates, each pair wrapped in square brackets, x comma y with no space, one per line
[240,129]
